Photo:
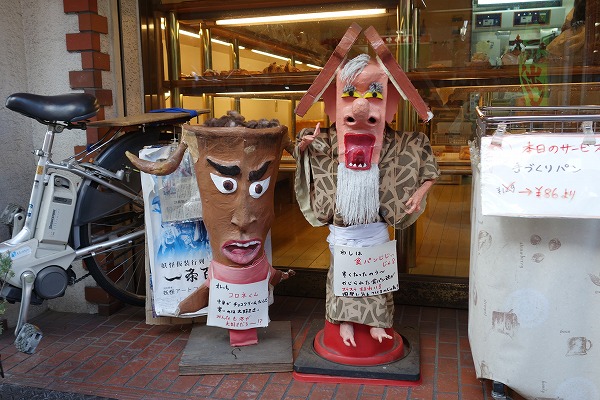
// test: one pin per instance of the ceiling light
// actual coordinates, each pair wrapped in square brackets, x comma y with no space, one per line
[328,15]
[264,53]
[286,92]
[187,33]
[217,41]
[314,66]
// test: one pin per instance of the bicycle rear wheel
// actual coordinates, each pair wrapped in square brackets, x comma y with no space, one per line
[102,214]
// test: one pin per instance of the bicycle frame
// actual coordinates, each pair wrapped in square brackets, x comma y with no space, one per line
[59,209]
[28,265]
[45,164]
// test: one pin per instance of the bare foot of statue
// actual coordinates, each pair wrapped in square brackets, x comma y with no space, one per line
[378,334]
[347,333]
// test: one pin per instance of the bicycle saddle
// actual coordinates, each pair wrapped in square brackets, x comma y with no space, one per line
[70,107]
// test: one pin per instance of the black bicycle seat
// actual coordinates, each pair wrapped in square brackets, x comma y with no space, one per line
[70,107]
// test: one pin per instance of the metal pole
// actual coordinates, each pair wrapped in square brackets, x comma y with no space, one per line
[174,55]
[237,102]
[406,244]
[206,35]
[236,54]
[207,47]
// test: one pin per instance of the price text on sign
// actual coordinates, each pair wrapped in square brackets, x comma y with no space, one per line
[365,271]
[541,175]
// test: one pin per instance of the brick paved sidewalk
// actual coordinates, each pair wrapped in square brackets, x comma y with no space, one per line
[122,357]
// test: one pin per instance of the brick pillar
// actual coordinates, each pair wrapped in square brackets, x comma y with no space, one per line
[86,42]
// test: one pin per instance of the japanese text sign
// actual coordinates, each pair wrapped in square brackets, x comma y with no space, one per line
[178,251]
[238,306]
[365,271]
[540,175]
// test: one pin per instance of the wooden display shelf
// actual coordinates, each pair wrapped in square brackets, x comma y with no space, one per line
[287,163]
[421,79]
[498,76]
[280,82]
[451,164]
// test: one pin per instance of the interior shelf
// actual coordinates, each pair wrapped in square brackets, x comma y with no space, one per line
[421,79]
[293,81]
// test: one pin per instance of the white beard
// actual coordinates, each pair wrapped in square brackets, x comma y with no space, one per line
[357,195]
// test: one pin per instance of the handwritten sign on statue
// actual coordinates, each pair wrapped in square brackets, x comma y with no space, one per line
[365,271]
[540,175]
[238,306]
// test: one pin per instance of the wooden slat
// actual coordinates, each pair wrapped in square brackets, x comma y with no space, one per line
[322,261]
[143,119]
[448,250]
[464,243]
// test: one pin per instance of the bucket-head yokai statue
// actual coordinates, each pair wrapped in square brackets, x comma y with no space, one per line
[236,170]
[359,177]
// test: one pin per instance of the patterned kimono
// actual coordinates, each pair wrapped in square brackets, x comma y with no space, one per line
[406,161]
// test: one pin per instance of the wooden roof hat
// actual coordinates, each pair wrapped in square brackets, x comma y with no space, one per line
[384,58]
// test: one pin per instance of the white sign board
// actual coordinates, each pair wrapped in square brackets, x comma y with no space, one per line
[365,271]
[540,175]
[178,251]
[238,306]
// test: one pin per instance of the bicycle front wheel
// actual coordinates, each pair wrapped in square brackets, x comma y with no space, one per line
[103,214]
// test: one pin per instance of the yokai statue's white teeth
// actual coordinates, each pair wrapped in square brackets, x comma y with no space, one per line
[353,165]
[248,244]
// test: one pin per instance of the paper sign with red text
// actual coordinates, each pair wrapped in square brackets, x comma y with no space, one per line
[238,306]
[365,271]
[541,175]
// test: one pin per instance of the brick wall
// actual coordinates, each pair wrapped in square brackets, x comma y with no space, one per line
[86,42]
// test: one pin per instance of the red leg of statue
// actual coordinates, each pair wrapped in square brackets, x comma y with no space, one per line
[243,338]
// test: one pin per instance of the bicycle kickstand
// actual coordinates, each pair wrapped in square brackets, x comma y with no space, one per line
[28,335]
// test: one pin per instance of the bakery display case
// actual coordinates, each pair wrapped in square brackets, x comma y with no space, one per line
[222,62]
[450,133]
[452,53]
[216,57]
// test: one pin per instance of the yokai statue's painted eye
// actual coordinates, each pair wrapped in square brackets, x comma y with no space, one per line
[259,188]
[375,91]
[374,95]
[350,91]
[224,184]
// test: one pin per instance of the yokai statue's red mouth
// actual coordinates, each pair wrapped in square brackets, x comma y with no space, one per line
[359,150]
[241,252]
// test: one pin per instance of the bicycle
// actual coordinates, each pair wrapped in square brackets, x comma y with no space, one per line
[99,220]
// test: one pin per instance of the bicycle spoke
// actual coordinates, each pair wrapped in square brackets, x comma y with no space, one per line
[120,269]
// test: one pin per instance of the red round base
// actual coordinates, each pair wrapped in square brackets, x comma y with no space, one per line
[368,351]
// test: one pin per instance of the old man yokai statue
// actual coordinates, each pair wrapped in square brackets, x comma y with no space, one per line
[236,170]
[359,177]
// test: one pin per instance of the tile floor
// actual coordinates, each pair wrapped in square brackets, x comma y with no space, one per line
[122,357]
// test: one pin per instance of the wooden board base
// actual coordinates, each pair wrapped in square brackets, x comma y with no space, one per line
[208,351]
